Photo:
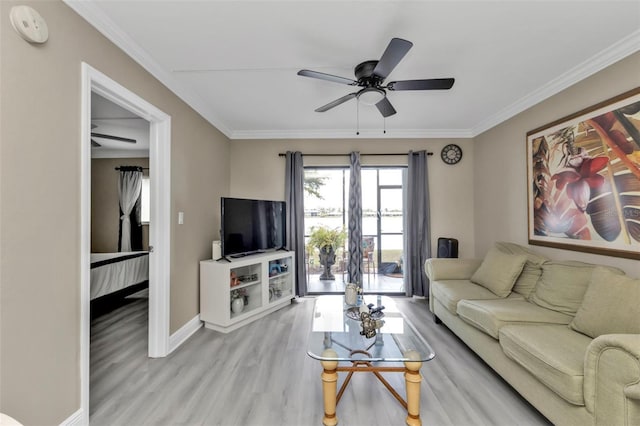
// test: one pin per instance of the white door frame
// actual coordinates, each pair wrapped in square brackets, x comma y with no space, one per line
[160,211]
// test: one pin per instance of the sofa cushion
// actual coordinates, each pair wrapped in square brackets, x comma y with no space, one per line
[611,305]
[532,270]
[498,271]
[554,354]
[491,315]
[450,292]
[563,285]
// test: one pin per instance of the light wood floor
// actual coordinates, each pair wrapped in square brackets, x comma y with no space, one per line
[261,375]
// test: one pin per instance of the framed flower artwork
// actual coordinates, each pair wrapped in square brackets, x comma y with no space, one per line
[583,180]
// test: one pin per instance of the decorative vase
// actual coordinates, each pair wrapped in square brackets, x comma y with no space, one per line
[327,258]
[237,305]
[351,294]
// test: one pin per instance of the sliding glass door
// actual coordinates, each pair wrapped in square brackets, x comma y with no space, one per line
[326,205]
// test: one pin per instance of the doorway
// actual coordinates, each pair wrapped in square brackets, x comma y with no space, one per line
[159,235]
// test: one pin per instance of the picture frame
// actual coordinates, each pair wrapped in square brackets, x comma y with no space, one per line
[583,179]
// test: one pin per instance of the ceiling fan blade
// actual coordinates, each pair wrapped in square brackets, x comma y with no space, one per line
[393,54]
[328,77]
[429,84]
[95,144]
[114,138]
[337,102]
[385,107]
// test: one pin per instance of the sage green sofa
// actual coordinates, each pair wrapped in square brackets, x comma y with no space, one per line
[564,334]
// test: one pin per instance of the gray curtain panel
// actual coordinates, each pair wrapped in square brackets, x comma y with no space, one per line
[417,234]
[355,221]
[294,193]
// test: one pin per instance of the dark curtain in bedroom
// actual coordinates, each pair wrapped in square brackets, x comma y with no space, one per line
[130,189]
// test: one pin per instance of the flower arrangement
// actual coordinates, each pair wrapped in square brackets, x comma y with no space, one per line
[239,293]
[323,236]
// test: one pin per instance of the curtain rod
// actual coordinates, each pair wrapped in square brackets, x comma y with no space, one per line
[346,155]
[143,168]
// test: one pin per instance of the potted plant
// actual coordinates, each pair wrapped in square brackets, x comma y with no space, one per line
[327,241]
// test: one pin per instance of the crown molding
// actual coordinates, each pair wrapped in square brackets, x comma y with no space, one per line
[620,50]
[351,134]
[95,17]
[92,14]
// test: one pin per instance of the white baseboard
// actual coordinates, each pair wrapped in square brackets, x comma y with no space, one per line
[76,419]
[179,337]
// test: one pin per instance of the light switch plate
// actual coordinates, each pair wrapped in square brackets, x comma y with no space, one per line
[180,218]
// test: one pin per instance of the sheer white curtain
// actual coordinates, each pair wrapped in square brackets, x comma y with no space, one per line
[129,189]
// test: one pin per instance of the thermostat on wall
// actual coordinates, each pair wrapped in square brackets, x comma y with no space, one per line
[29,24]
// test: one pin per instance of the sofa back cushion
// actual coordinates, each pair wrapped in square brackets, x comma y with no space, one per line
[611,305]
[532,271]
[498,272]
[563,284]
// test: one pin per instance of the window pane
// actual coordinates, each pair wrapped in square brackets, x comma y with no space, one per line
[391,210]
[390,176]
[324,202]
[391,247]
[145,203]
[369,184]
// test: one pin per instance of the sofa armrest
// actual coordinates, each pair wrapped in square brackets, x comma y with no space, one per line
[450,269]
[612,379]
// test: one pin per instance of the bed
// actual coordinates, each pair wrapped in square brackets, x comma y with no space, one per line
[115,276]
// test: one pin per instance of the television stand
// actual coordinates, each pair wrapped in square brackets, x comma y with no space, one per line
[266,282]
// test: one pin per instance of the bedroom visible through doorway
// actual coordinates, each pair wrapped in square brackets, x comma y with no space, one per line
[158,125]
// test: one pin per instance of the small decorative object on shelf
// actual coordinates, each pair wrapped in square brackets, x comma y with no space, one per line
[275,269]
[237,305]
[239,299]
[233,278]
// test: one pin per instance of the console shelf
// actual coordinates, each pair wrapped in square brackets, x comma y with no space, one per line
[265,281]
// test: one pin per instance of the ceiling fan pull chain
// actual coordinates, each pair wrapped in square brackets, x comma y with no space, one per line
[357,117]
[384,125]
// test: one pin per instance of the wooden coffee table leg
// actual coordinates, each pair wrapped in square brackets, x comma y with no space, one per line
[329,386]
[412,380]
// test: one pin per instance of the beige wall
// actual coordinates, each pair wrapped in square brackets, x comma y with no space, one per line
[500,169]
[40,198]
[105,205]
[451,188]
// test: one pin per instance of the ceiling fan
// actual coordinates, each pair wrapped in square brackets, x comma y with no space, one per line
[370,76]
[104,136]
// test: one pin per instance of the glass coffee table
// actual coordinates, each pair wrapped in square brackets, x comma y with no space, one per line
[337,336]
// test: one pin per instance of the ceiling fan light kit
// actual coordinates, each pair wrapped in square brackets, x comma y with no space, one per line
[370,76]
[371,95]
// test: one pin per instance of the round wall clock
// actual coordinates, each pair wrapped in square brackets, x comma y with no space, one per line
[451,154]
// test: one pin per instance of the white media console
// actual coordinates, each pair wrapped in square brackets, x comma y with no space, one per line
[266,279]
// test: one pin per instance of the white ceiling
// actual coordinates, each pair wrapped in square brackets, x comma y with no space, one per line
[107,118]
[235,62]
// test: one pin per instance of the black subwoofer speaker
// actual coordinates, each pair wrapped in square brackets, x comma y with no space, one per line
[447,247]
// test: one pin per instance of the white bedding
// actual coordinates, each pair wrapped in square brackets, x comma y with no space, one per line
[108,274]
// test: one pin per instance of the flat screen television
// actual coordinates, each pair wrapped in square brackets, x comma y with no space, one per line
[251,226]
